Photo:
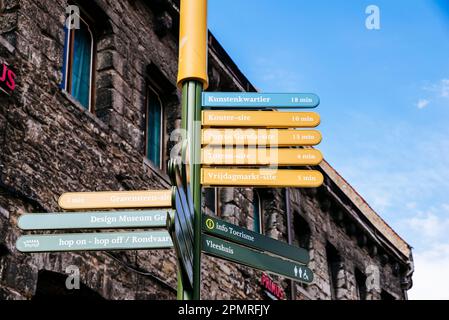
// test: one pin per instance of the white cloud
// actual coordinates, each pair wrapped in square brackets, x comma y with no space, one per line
[422,103]
[444,88]
[430,225]
[441,88]
[430,229]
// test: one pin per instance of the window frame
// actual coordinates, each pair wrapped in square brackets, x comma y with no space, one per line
[162,127]
[69,46]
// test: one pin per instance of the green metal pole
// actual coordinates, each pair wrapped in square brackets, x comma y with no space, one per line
[194,91]
[191,122]
[183,291]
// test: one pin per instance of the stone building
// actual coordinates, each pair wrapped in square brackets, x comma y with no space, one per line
[93,109]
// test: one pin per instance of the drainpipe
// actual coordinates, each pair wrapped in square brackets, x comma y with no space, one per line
[407,281]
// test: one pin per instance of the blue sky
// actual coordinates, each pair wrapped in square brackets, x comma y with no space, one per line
[384,102]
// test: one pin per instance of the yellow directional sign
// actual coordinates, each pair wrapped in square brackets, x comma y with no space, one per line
[261,178]
[260,137]
[116,199]
[260,156]
[269,119]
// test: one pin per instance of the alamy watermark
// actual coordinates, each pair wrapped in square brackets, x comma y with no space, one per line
[372,278]
[73,279]
[372,21]
[73,17]
[222,148]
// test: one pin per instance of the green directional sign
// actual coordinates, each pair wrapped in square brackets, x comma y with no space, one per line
[184,216]
[94,220]
[252,239]
[255,259]
[95,241]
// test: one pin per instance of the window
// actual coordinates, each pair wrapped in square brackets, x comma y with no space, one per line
[360,281]
[210,201]
[3,250]
[334,265]
[154,128]
[79,48]
[257,213]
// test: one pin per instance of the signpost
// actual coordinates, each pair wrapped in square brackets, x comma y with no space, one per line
[242,100]
[276,178]
[95,241]
[116,199]
[261,156]
[94,220]
[265,119]
[231,232]
[260,137]
[233,252]
[192,79]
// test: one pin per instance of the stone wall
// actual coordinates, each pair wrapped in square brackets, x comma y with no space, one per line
[50,144]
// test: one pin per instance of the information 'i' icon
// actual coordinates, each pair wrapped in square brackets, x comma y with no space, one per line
[210,224]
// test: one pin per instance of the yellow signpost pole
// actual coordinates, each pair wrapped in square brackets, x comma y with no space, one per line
[192,78]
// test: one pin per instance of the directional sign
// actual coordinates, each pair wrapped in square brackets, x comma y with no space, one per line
[255,259]
[116,199]
[252,239]
[94,220]
[183,218]
[95,241]
[267,119]
[184,234]
[260,156]
[260,137]
[261,178]
[260,100]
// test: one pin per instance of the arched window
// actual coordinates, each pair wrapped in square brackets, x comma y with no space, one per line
[78,68]
[154,128]
[257,213]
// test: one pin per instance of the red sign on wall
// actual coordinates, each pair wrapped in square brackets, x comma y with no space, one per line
[7,79]
[271,287]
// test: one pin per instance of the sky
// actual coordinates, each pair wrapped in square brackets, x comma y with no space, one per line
[384,102]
